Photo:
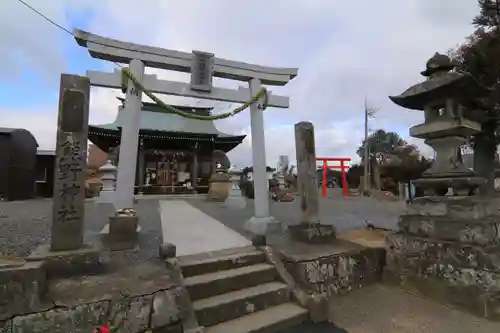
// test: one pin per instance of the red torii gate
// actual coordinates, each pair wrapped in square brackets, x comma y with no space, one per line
[342,168]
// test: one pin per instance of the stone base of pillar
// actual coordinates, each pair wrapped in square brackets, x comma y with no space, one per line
[263,225]
[106,197]
[312,233]
[122,233]
[62,264]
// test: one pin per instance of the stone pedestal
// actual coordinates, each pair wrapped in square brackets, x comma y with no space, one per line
[121,233]
[108,178]
[220,183]
[61,264]
[447,249]
[312,233]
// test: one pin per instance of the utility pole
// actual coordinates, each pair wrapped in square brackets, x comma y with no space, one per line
[369,113]
[366,181]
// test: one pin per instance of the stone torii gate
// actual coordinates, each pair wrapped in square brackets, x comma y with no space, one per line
[202,66]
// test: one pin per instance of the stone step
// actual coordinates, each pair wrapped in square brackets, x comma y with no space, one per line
[216,283]
[217,309]
[266,321]
[201,264]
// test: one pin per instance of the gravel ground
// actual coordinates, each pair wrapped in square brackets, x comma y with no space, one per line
[343,212]
[384,309]
[26,224]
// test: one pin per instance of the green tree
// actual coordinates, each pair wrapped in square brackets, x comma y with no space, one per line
[479,56]
[380,145]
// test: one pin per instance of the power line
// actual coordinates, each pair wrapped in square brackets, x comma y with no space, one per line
[54,23]
[59,26]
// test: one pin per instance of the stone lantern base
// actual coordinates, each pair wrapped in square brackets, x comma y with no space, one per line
[447,248]
[464,186]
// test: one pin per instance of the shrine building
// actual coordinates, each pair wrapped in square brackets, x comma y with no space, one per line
[175,155]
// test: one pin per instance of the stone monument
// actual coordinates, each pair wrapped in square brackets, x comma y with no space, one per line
[447,246]
[67,254]
[309,229]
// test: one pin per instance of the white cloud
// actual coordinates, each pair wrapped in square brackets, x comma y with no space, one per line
[345,50]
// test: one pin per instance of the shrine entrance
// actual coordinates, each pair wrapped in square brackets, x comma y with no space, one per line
[202,67]
[343,176]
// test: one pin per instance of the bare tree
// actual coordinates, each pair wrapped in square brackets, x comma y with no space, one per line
[370,112]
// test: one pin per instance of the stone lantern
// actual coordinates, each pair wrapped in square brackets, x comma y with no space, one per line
[447,247]
[444,98]
[108,178]
[235,198]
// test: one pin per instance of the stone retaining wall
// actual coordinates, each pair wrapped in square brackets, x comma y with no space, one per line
[141,298]
[339,270]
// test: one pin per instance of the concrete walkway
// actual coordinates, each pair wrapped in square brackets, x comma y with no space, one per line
[193,231]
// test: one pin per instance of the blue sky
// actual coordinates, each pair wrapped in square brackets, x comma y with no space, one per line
[344,51]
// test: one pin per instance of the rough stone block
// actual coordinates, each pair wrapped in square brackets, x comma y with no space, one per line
[338,274]
[457,254]
[483,280]
[6,326]
[312,233]
[21,289]
[455,208]
[80,319]
[167,250]
[68,263]
[133,313]
[483,231]
[170,306]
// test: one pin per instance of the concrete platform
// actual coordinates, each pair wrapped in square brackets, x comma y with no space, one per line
[193,231]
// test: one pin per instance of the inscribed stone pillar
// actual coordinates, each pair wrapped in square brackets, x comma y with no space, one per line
[309,229]
[129,140]
[307,178]
[71,159]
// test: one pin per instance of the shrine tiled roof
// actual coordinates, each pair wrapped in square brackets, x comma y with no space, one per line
[152,119]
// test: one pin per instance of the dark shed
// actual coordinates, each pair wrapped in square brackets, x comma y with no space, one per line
[44,173]
[17,164]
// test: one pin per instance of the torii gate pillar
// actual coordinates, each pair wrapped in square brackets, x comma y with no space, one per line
[262,222]
[127,161]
